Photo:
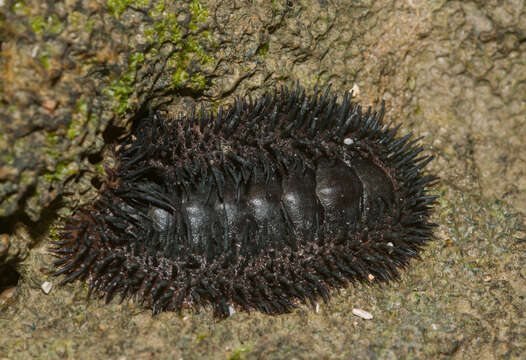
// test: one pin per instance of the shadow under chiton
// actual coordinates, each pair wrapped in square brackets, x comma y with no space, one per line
[266,204]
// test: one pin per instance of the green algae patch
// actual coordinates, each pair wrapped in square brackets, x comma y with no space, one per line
[184,62]
[27,178]
[37,24]
[75,127]
[191,52]
[121,88]
[6,150]
[263,50]
[164,29]
[199,14]
[79,21]
[100,168]
[40,198]
[190,49]
[199,81]
[49,24]
[63,170]
[81,118]
[20,8]
[52,137]
[54,233]
[241,352]
[44,58]
[117,7]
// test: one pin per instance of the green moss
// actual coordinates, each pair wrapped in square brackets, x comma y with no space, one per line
[53,152]
[20,146]
[165,29]
[89,25]
[20,8]
[207,36]
[201,337]
[418,110]
[2,21]
[63,170]
[73,130]
[37,24]
[44,60]
[75,19]
[8,159]
[6,154]
[52,138]
[192,46]
[79,21]
[100,168]
[191,50]
[199,12]
[198,81]
[160,5]
[121,88]
[54,233]
[26,178]
[81,117]
[51,24]
[263,50]
[240,352]
[117,7]
[180,77]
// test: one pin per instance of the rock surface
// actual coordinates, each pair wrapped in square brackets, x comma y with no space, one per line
[74,75]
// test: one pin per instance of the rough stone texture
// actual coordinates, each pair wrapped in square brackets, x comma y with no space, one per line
[74,74]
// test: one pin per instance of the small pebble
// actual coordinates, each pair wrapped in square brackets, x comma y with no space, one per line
[49,105]
[356,90]
[46,287]
[7,294]
[4,244]
[362,313]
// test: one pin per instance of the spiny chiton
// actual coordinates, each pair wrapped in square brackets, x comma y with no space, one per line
[262,206]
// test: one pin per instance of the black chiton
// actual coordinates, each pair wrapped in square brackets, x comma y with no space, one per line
[269,203]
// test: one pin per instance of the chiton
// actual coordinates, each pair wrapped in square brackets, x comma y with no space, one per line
[264,205]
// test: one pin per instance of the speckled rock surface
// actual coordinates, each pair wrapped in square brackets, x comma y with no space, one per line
[75,73]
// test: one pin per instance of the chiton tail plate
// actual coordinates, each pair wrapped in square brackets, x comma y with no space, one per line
[264,205]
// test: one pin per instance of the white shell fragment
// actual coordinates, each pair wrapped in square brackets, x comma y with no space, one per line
[46,287]
[356,90]
[362,313]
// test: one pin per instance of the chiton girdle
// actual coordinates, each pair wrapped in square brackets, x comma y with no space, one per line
[264,205]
